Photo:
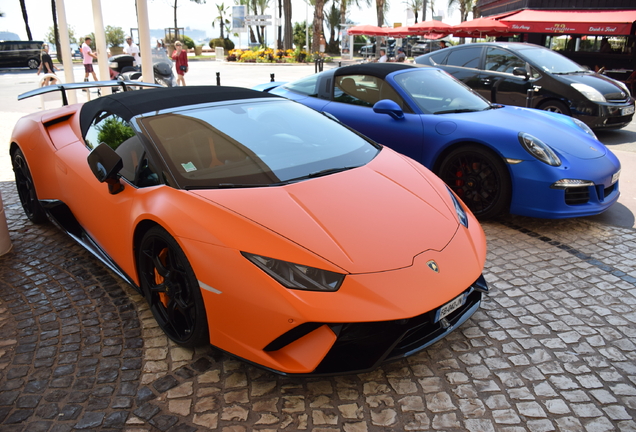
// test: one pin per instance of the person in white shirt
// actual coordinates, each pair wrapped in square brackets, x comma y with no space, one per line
[383,58]
[133,50]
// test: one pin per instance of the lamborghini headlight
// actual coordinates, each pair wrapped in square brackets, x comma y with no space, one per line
[539,149]
[461,213]
[589,92]
[585,128]
[297,276]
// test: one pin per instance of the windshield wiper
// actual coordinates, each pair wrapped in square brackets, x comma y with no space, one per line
[570,72]
[281,183]
[328,171]
[456,111]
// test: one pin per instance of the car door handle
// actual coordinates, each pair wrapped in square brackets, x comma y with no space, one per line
[486,81]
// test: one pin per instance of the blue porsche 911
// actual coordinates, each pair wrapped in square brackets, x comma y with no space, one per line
[496,158]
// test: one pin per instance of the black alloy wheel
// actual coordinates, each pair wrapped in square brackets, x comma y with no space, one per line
[26,189]
[479,178]
[171,289]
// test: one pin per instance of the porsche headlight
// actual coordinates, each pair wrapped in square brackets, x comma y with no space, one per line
[539,149]
[461,213]
[585,128]
[589,92]
[296,276]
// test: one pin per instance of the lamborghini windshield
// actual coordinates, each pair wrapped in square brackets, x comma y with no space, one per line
[254,143]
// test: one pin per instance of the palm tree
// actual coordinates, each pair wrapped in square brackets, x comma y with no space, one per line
[288,37]
[382,8]
[344,4]
[221,18]
[415,6]
[317,26]
[56,31]
[465,7]
[259,9]
[26,19]
[176,28]
[332,19]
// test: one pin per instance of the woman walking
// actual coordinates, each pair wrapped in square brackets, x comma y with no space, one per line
[180,56]
[46,64]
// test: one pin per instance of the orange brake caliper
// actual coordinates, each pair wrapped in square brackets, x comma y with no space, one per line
[163,297]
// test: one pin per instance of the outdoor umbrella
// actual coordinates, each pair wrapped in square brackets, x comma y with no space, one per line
[399,32]
[368,30]
[480,27]
[431,26]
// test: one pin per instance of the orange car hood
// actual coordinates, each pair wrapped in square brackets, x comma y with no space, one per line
[369,219]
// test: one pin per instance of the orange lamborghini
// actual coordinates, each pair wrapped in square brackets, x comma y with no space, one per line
[257,225]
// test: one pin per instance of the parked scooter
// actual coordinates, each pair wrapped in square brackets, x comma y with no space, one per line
[123,65]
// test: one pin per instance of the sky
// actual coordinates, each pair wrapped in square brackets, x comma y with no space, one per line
[121,13]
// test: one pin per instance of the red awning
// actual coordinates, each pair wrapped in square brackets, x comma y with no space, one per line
[585,22]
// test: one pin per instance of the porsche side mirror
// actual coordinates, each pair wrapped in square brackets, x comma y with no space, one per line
[520,71]
[387,106]
[105,165]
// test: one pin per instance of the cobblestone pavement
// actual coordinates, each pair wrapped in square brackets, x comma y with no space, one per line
[552,348]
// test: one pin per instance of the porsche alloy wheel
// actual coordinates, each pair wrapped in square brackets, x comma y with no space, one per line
[479,178]
[171,289]
[26,189]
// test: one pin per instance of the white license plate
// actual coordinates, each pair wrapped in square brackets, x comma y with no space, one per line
[450,307]
[627,111]
[615,177]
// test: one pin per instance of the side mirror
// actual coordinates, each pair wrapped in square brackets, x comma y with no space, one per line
[387,106]
[520,71]
[105,165]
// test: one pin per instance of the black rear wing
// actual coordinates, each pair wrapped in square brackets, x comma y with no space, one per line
[125,85]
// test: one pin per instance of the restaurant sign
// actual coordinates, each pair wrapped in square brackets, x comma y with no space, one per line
[569,28]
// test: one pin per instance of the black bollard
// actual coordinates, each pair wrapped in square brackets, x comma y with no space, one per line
[339,64]
[218,78]
[271,78]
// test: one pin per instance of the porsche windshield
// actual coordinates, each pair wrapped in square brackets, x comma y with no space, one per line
[254,143]
[436,92]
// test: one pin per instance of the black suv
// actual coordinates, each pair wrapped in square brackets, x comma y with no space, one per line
[505,72]
[20,53]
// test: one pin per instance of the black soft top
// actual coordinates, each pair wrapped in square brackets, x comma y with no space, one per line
[379,70]
[131,103]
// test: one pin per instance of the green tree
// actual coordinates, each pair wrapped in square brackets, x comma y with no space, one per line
[115,36]
[299,34]
[51,38]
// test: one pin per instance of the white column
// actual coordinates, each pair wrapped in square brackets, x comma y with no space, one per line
[144,42]
[100,41]
[65,46]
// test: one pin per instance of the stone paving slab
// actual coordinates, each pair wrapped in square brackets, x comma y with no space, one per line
[551,349]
